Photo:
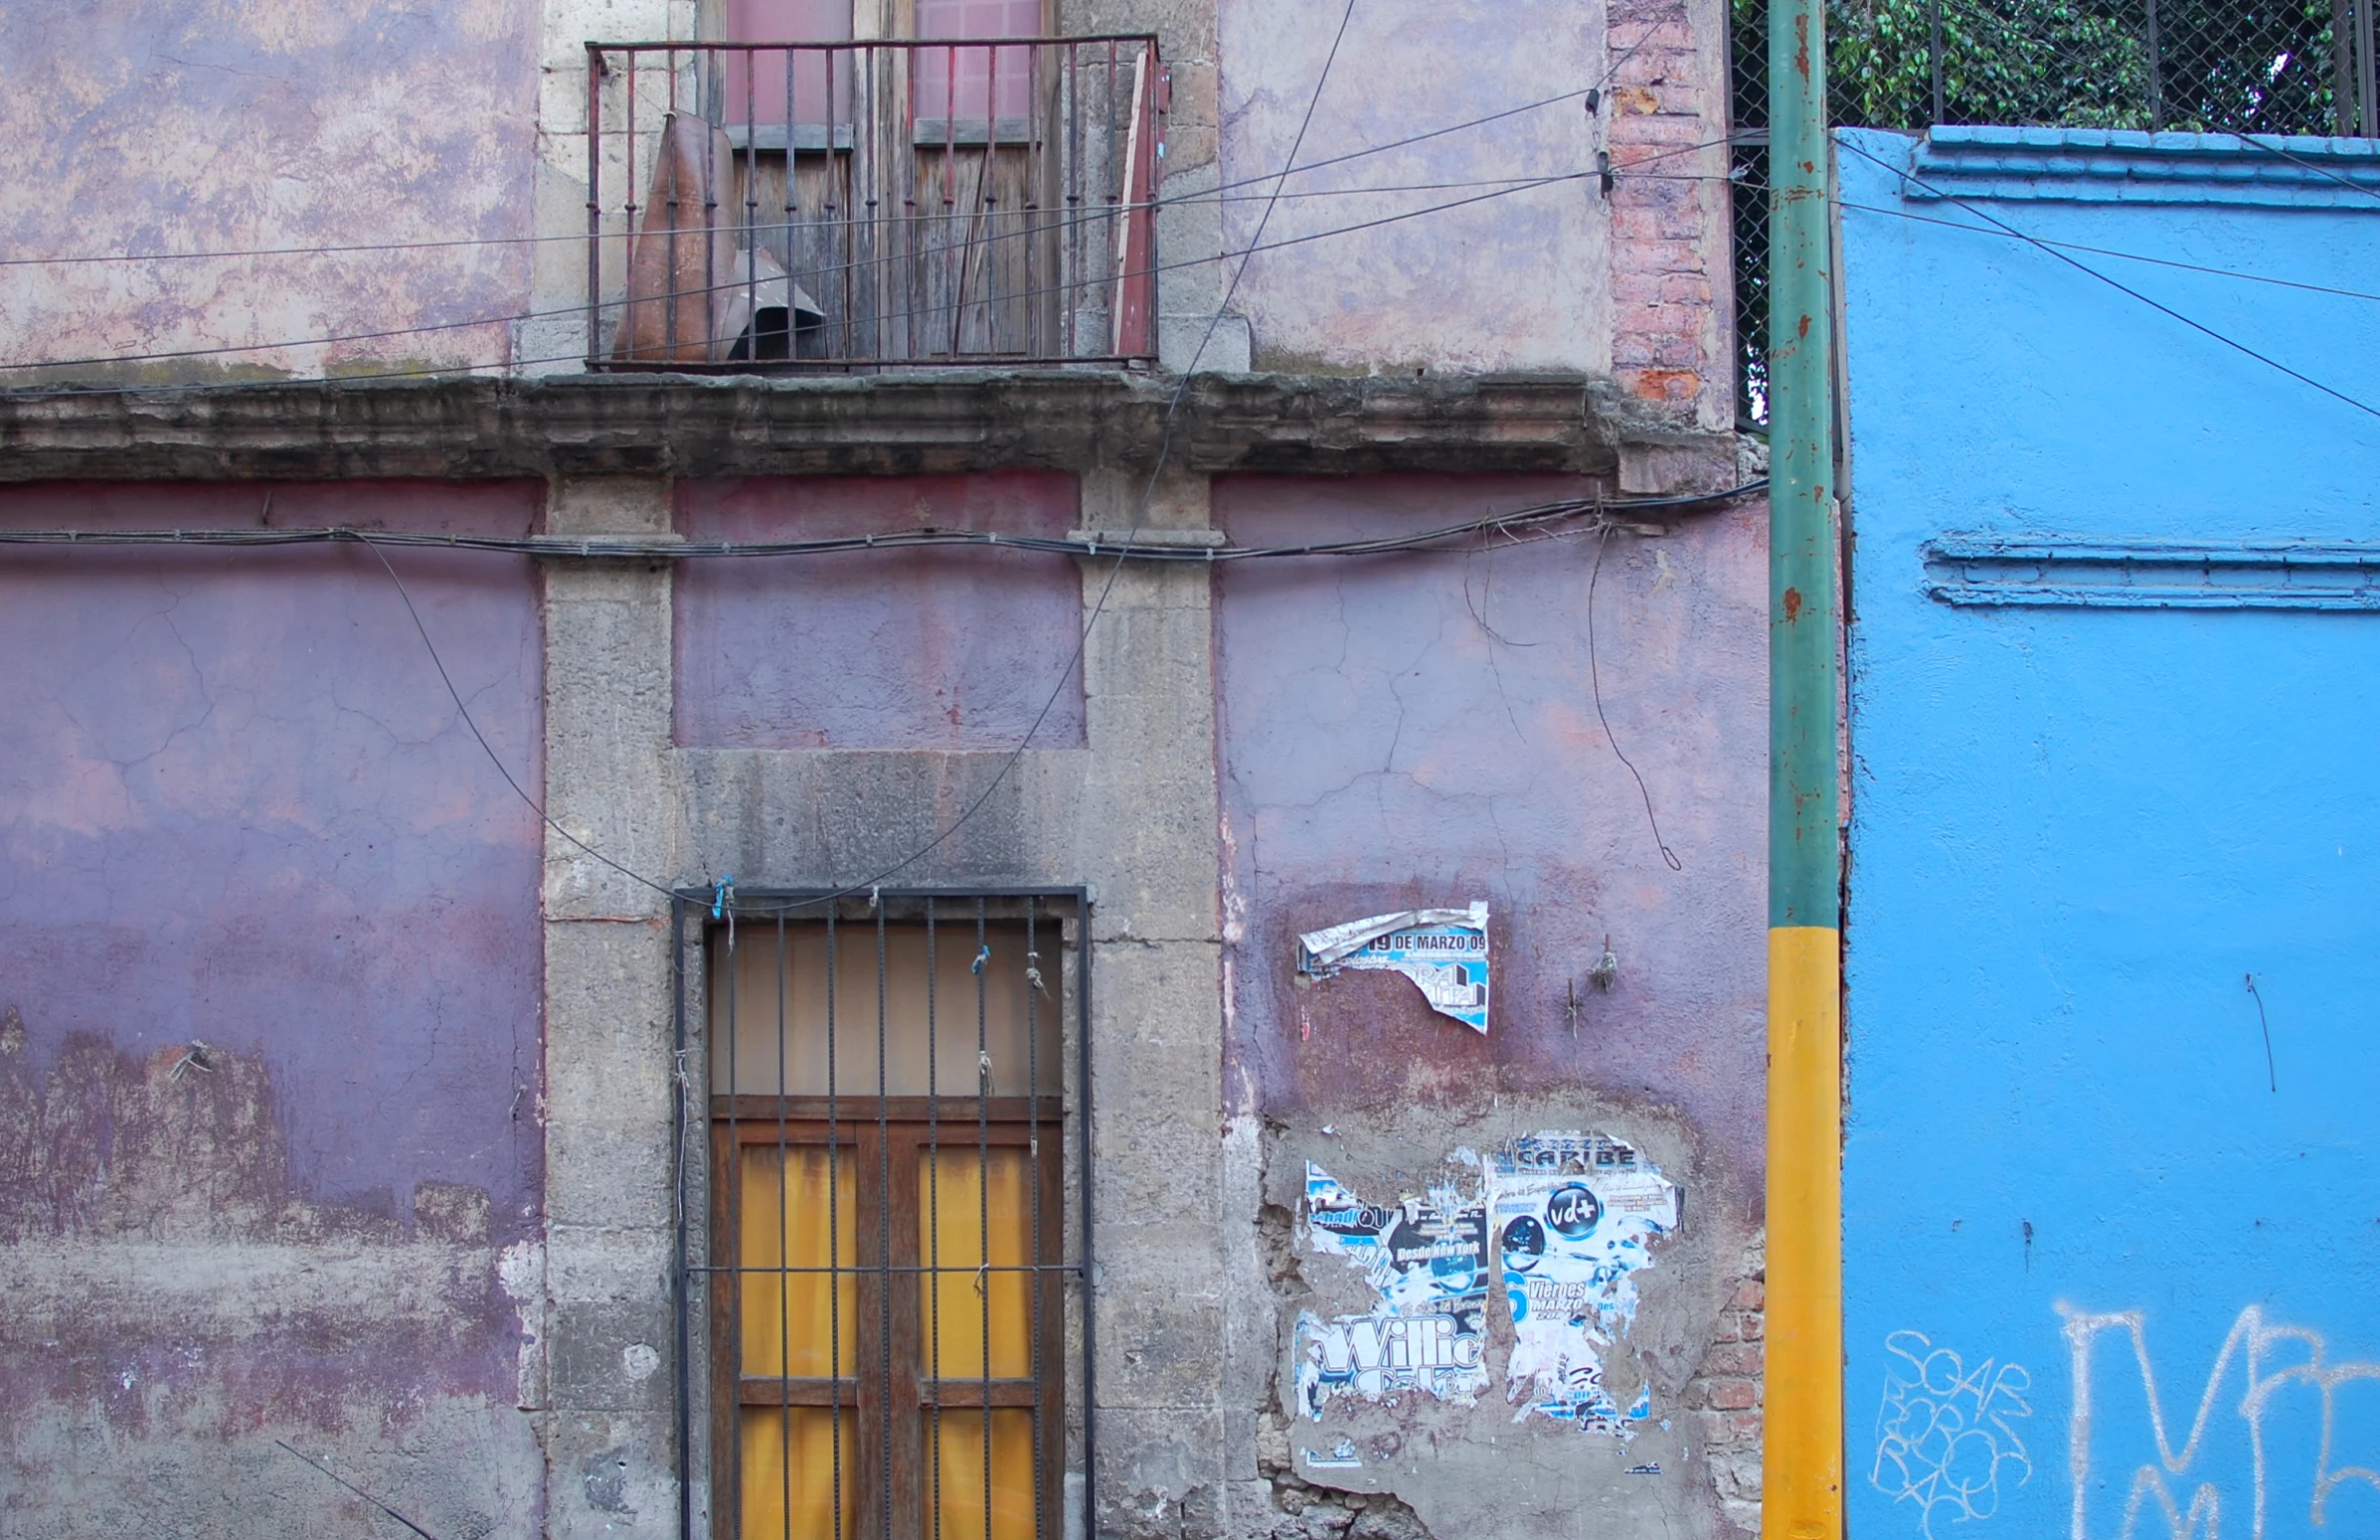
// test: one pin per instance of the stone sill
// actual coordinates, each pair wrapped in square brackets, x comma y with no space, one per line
[673,425]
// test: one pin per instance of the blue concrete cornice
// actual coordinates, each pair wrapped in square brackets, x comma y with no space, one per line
[2113,166]
[2058,571]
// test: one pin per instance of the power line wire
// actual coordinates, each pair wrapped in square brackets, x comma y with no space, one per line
[664,295]
[1599,508]
[1131,540]
[2318,170]
[1669,857]
[1187,199]
[1139,516]
[2128,257]
[469,721]
[2119,285]
[1509,526]
[1750,184]
[1091,215]
[1082,642]
[1087,215]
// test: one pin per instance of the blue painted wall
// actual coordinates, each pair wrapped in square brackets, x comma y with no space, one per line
[2076,1208]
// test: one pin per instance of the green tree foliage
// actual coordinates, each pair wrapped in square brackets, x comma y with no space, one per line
[2217,64]
[2245,66]
[2025,62]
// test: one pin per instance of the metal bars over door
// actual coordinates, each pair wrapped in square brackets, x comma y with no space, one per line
[877,204]
[884,1213]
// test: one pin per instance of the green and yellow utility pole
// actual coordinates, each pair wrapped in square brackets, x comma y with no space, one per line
[1802,1458]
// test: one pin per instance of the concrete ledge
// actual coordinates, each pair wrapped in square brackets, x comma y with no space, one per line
[669,425]
[2113,166]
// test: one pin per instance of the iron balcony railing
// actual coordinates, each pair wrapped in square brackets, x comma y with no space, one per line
[871,204]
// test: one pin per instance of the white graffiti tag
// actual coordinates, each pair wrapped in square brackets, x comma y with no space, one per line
[2271,1358]
[1943,1433]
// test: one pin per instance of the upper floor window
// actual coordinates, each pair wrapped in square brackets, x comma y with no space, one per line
[773,86]
[963,85]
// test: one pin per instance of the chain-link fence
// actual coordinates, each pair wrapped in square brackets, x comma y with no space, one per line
[2237,66]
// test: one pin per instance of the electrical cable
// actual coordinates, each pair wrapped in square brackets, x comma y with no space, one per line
[1185,200]
[1522,184]
[1139,516]
[1523,518]
[1130,544]
[2348,182]
[1087,215]
[1623,168]
[469,721]
[615,549]
[2119,285]
[2128,257]
[1753,184]
[660,296]
[1669,857]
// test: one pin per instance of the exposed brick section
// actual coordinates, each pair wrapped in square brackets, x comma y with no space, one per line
[1665,344]
[1726,1393]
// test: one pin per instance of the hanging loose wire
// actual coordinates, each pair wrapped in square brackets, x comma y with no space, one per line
[495,758]
[1104,212]
[1139,516]
[1127,550]
[1669,857]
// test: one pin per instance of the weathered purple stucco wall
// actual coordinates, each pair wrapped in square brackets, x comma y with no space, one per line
[1421,730]
[238,810]
[951,649]
[178,126]
[1512,280]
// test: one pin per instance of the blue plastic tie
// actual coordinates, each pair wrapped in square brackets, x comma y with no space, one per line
[977,967]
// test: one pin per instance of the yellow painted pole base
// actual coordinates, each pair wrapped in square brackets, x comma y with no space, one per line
[1802,1455]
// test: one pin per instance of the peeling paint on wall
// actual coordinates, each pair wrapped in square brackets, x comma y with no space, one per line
[1426,1259]
[270,1089]
[1576,1216]
[1442,951]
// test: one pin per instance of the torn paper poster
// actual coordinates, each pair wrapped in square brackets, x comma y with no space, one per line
[1575,1216]
[1442,951]
[1425,1258]
[1342,1456]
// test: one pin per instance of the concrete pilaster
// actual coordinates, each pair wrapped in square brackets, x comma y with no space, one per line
[1148,825]
[611,1340]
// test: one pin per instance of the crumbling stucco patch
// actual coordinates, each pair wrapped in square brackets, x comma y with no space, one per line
[172,1310]
[1478,1471]
[1725,1393]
